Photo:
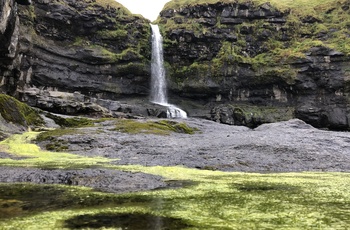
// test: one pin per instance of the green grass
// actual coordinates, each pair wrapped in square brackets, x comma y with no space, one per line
[21,145]
[113,4]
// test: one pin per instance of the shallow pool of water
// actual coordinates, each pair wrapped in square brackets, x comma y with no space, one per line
[216,200]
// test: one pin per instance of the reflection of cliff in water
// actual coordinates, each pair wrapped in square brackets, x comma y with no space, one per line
[125,221]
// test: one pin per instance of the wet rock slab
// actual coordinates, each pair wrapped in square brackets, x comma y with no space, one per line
[99,179]
[290,146]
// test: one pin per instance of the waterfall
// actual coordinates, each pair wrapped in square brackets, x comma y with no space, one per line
[158,82]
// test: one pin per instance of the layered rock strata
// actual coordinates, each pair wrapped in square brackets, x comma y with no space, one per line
[95,49]
[250,57]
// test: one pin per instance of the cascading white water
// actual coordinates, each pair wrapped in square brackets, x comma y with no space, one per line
[158,83]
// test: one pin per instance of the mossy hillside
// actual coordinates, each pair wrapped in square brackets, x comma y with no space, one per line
[135,32]
[113,4]
[221,200]
[274,47]
[18,112]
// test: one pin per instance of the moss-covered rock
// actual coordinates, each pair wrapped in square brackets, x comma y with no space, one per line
[18,113]
[162,127]
[71,122]
[251,116]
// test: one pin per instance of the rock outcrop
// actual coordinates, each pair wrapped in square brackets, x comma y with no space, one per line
[234,55]
[17,117]
[9,35]
[96,49]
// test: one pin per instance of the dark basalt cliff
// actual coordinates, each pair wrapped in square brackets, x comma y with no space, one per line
[9,36]
[250,63]
[75,55]
[236,62]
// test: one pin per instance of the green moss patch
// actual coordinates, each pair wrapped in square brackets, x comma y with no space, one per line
[50,135]
[71,122]
[219,200]
[162,127]
[20,145]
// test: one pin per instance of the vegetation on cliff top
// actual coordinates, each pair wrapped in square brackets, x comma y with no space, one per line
[113,4]
[307,20]
[300,7]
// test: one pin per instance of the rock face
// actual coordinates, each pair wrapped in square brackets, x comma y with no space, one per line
[242,63]
[234,55]
[288,146]
[9,35]
[97,49]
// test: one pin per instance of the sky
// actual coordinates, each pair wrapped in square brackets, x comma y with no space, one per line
[147,8]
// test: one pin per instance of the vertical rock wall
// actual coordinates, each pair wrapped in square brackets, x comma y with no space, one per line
[9,36]
[247,62]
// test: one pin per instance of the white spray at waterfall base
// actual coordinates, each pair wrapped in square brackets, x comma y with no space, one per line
[158,83]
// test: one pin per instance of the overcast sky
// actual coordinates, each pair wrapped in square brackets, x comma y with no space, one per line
[148,8]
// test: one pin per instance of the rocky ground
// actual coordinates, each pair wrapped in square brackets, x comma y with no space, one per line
[290,146]
[278,147]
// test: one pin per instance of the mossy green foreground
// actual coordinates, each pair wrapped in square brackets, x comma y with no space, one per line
[211,199]
[20,145]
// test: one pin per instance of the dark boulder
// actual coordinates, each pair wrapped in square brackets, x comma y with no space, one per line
[24,2]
